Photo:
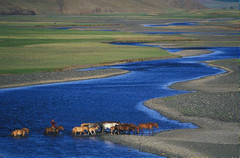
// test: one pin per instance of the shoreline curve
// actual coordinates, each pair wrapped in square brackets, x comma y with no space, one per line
[213,138]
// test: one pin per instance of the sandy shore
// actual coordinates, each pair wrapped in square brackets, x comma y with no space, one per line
[217,135]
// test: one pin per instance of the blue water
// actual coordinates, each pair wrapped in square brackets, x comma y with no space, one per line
[179,32]
[191,23]
[188,23]
[68,28]
[118,98]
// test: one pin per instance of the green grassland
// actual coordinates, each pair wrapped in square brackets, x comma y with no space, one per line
[30,49]
[31,44]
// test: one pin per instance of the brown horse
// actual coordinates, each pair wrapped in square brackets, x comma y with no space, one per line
[52,130]
[132,127]
[149,126]
[92,130]
[80,130]
[26,130]
[125,127]
[20,132]
[85,124]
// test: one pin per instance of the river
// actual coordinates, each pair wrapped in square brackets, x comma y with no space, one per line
[118,98]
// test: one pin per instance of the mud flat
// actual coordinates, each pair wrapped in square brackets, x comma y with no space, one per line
[214,108]
[185,53]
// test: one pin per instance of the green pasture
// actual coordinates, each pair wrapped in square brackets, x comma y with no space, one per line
[30,49]
[31,44]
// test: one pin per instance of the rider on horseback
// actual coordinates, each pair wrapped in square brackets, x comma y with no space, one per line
[53,124]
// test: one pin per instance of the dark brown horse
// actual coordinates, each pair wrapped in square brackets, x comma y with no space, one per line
[132,127]
[125,127]
[149,126]
[52,130]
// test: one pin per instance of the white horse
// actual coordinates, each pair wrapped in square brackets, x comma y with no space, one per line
[108,125]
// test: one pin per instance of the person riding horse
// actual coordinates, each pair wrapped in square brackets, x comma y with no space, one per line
[53,125]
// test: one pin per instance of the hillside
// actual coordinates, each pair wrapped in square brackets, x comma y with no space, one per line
[78,7]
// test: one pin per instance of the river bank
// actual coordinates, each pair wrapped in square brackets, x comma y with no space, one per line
[69,73]
[218,135]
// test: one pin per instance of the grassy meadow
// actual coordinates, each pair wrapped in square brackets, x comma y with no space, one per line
[30,44]
[31,49]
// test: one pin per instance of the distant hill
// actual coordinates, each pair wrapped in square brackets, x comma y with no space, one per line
[220,4]
[78,7]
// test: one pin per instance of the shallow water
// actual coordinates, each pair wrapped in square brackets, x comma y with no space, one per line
[118,98]
[179,32]
[190,23]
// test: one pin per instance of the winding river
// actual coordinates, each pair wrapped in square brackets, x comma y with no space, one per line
[118,98]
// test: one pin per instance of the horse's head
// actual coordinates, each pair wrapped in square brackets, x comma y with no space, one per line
[26,130]
[60,128]
[97,127]
[155,125]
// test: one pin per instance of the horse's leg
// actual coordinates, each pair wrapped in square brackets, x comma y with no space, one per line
[152,130]
[102,129]
[23,133]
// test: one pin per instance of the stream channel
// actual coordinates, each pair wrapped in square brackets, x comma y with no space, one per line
[118,98]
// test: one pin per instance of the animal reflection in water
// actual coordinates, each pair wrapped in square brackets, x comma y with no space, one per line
[149,126]
[53,130]
[20,132]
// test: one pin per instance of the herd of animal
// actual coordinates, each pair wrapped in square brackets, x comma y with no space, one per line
[93,128]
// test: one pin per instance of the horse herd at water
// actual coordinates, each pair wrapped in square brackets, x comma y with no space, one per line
[94,128]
